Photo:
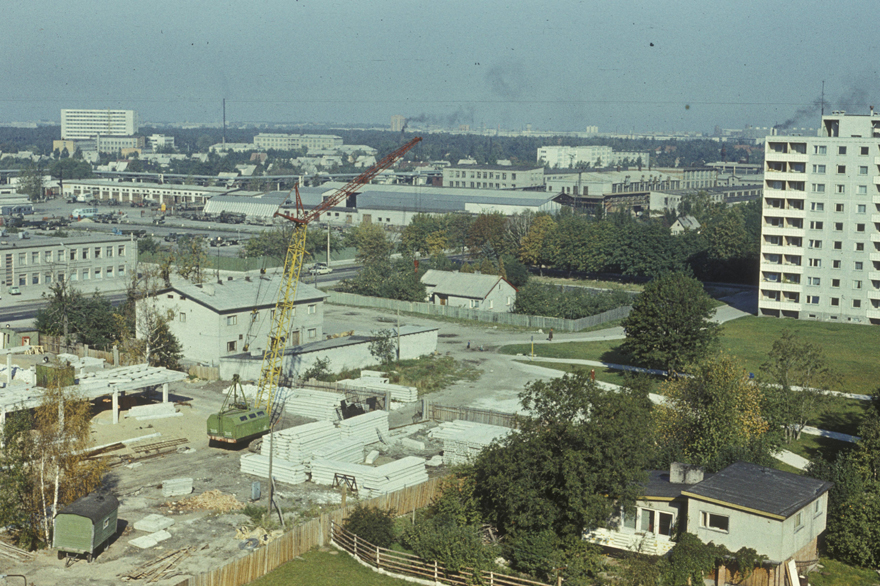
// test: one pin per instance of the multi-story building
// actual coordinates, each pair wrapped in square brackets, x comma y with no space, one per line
[289,142]
[90,123]
[130,192]
[398,123]
[85,261]
[820,237]
[493,177]
[118,144]
[597,156]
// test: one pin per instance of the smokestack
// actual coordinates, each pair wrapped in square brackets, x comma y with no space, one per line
[224,120]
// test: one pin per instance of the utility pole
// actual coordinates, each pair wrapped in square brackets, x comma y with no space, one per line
[398,335]
[328,240]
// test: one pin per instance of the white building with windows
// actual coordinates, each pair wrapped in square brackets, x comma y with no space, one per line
[289,142]
[820,236]
[493,177]
[78,124]
[86,262]
[596,156]
[234,316]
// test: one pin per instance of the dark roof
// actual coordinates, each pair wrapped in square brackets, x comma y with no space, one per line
[658,487]
[759,490]
[94,506]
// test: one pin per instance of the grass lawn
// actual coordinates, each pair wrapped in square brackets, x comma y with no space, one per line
[839,574]
[812,447]
[325,568]
[606,375]
[589,283]
[427,374]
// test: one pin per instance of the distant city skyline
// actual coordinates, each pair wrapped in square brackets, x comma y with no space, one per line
[633,66]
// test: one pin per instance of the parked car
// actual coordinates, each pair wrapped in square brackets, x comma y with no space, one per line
[320,268]
[14,290]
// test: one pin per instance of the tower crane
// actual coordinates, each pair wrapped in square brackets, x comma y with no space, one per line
[238,421]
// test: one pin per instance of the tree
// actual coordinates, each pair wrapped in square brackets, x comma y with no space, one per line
[192,258]
[532,249]
[570,466]
[713,417]
[31,183]
[486,235]
[798,375]
[372,524]
[19,505]
[391,279]
[147,245]
[383,347]
[71,314]
[142,328]
[669,324]
[372,243]
[67,168]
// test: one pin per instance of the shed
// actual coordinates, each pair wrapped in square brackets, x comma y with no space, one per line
[85,525]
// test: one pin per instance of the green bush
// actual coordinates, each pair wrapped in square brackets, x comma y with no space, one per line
[572,303]
[371,524]
[441,539]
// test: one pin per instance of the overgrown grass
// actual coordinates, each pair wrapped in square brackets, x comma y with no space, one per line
[814,447]
[589,283]
[325,568]
[428,373]
[834,573]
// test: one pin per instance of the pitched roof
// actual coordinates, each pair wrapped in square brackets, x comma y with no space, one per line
[688,222]
[469,285]
[240,294]
[759,490]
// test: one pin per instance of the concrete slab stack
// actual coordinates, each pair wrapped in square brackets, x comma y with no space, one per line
[297,444]
[347,450]
[368,428]
[464,440]
[373,481]
[319,405]
[399,393]
[258,465]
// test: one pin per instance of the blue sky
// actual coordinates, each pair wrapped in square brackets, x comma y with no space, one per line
[623,66]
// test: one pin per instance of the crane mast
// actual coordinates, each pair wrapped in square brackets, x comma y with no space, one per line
[271,370]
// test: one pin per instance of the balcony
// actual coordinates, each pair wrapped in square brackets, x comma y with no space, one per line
[782,305]
[783,176]
[874,256]
[874,294]
[873,313]
[874,275]
[781,286]
[794,213]
[875,237]
[876,179]
[786,157]
[782,231]
[877,160]
[875,218]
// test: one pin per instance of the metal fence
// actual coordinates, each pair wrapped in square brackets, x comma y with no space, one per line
[513,319]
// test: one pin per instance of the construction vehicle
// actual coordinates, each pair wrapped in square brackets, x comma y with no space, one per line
[237,421]
[227,425]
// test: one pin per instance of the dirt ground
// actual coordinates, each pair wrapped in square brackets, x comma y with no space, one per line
[138,487]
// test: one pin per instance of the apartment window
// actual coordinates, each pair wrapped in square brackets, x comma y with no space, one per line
[109,272]
[813,299]
[817,206]
[815,263]
[863,170]
[862,189]
[121,250]
[860,247]
[35,258]
[230,346]
[862,151]
[814,281]
[109,251]
[835,282]
[857,284]
[860,209]
[47,278]
[838,207]
[85,253]
[35,279]
[816,225]
[47,256]
[716,522]
[838,226]
[313,309]
[182,317]
[838,245]
[840,188]
[820,169]
[22,258]
[835,264]
[60,255]
[860,227]
[820,149]
[818,188]
[86,274]
[97,252]
[835,301]
[798,521]
[815,244]
[841,169]
[231,320]
[857,265]
[841,150]
[98,273]
[513,176]
[72,254]
[120,270]
[313,333]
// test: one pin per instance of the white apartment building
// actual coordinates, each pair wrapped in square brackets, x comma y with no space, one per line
[597,156]
[289,142]
[77,124]
[117,144]
[820,237]
[493,177]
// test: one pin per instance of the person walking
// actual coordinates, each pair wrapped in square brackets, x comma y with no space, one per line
[551,335]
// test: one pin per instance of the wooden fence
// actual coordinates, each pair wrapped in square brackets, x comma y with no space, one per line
[486,416]
[304,537]
[53,344]
[204,372]
[405,564]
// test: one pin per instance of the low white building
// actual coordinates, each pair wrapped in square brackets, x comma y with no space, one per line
[493,177]
[471,290]
[234,317]
[131,192]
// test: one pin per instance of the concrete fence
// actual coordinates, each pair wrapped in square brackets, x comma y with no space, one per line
[513,319]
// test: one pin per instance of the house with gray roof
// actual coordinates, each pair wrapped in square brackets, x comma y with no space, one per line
[471,290]
[778,514]
[228,317]
[683,224]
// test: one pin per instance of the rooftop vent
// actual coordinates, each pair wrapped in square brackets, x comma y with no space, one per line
[680,473]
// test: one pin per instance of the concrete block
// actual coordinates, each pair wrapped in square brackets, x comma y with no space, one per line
[177,487]
[160,535]
[153,523]
[371,457]
[412,444]
[435,461]
[143,542]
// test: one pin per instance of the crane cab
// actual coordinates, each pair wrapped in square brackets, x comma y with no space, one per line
[234,426]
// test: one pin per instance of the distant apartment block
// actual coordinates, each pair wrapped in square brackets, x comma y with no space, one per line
[77,124]
[493,177]
[289,142]
[596,156]
[820,236]
[397,123]
[118,144]
[160,141]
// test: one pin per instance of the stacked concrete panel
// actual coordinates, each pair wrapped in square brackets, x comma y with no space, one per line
[346,450]
[464,440]
[368,428]
[258,465]
[319,405]
[297,444]
[373,481]
[377,385]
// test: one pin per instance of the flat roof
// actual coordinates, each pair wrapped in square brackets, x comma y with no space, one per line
[39,241]
[240,294]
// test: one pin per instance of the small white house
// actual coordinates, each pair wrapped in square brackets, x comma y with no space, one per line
[226,318]
[471,290]
[683,224]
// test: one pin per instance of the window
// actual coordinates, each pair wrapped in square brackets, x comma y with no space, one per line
[716,522]
[106,522]
[109,251]
[231,320]
[98,273]
[97,252]
[230,346]
[816,263]
[817,506]
[814,281]
[835,302]
[857,284]
[86,274]
[860,227]
[841,169]
[629,521]
[862,189]
[817,206]
[820,169]
[85,253]
[121,250]
[818,188]
[35,279]
[35,258]
[815,244]
[838,207]
[835,264]
[860,247]
[863,170]
[313,308]
[841,150]
[60,255]
[182,317]
[857,303]
[47,256]
[838,245]
[835,283]
[813,299]
[860,209]
[862,151]
[820,149]
[816,225]
[838,226]
[47,278]
[840,188]
[109,272]
[120,270]
[798,521]
[313,333]
[491,304]
[72,254]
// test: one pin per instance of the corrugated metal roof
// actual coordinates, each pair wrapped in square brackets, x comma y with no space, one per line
[261,206]
[469,285]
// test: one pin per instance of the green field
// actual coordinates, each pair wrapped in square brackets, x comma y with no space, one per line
[325,568]
[833,573]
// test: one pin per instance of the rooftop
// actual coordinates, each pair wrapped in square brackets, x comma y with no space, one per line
[469,285]
[242,294]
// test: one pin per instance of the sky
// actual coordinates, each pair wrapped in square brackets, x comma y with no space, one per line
[624,66]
